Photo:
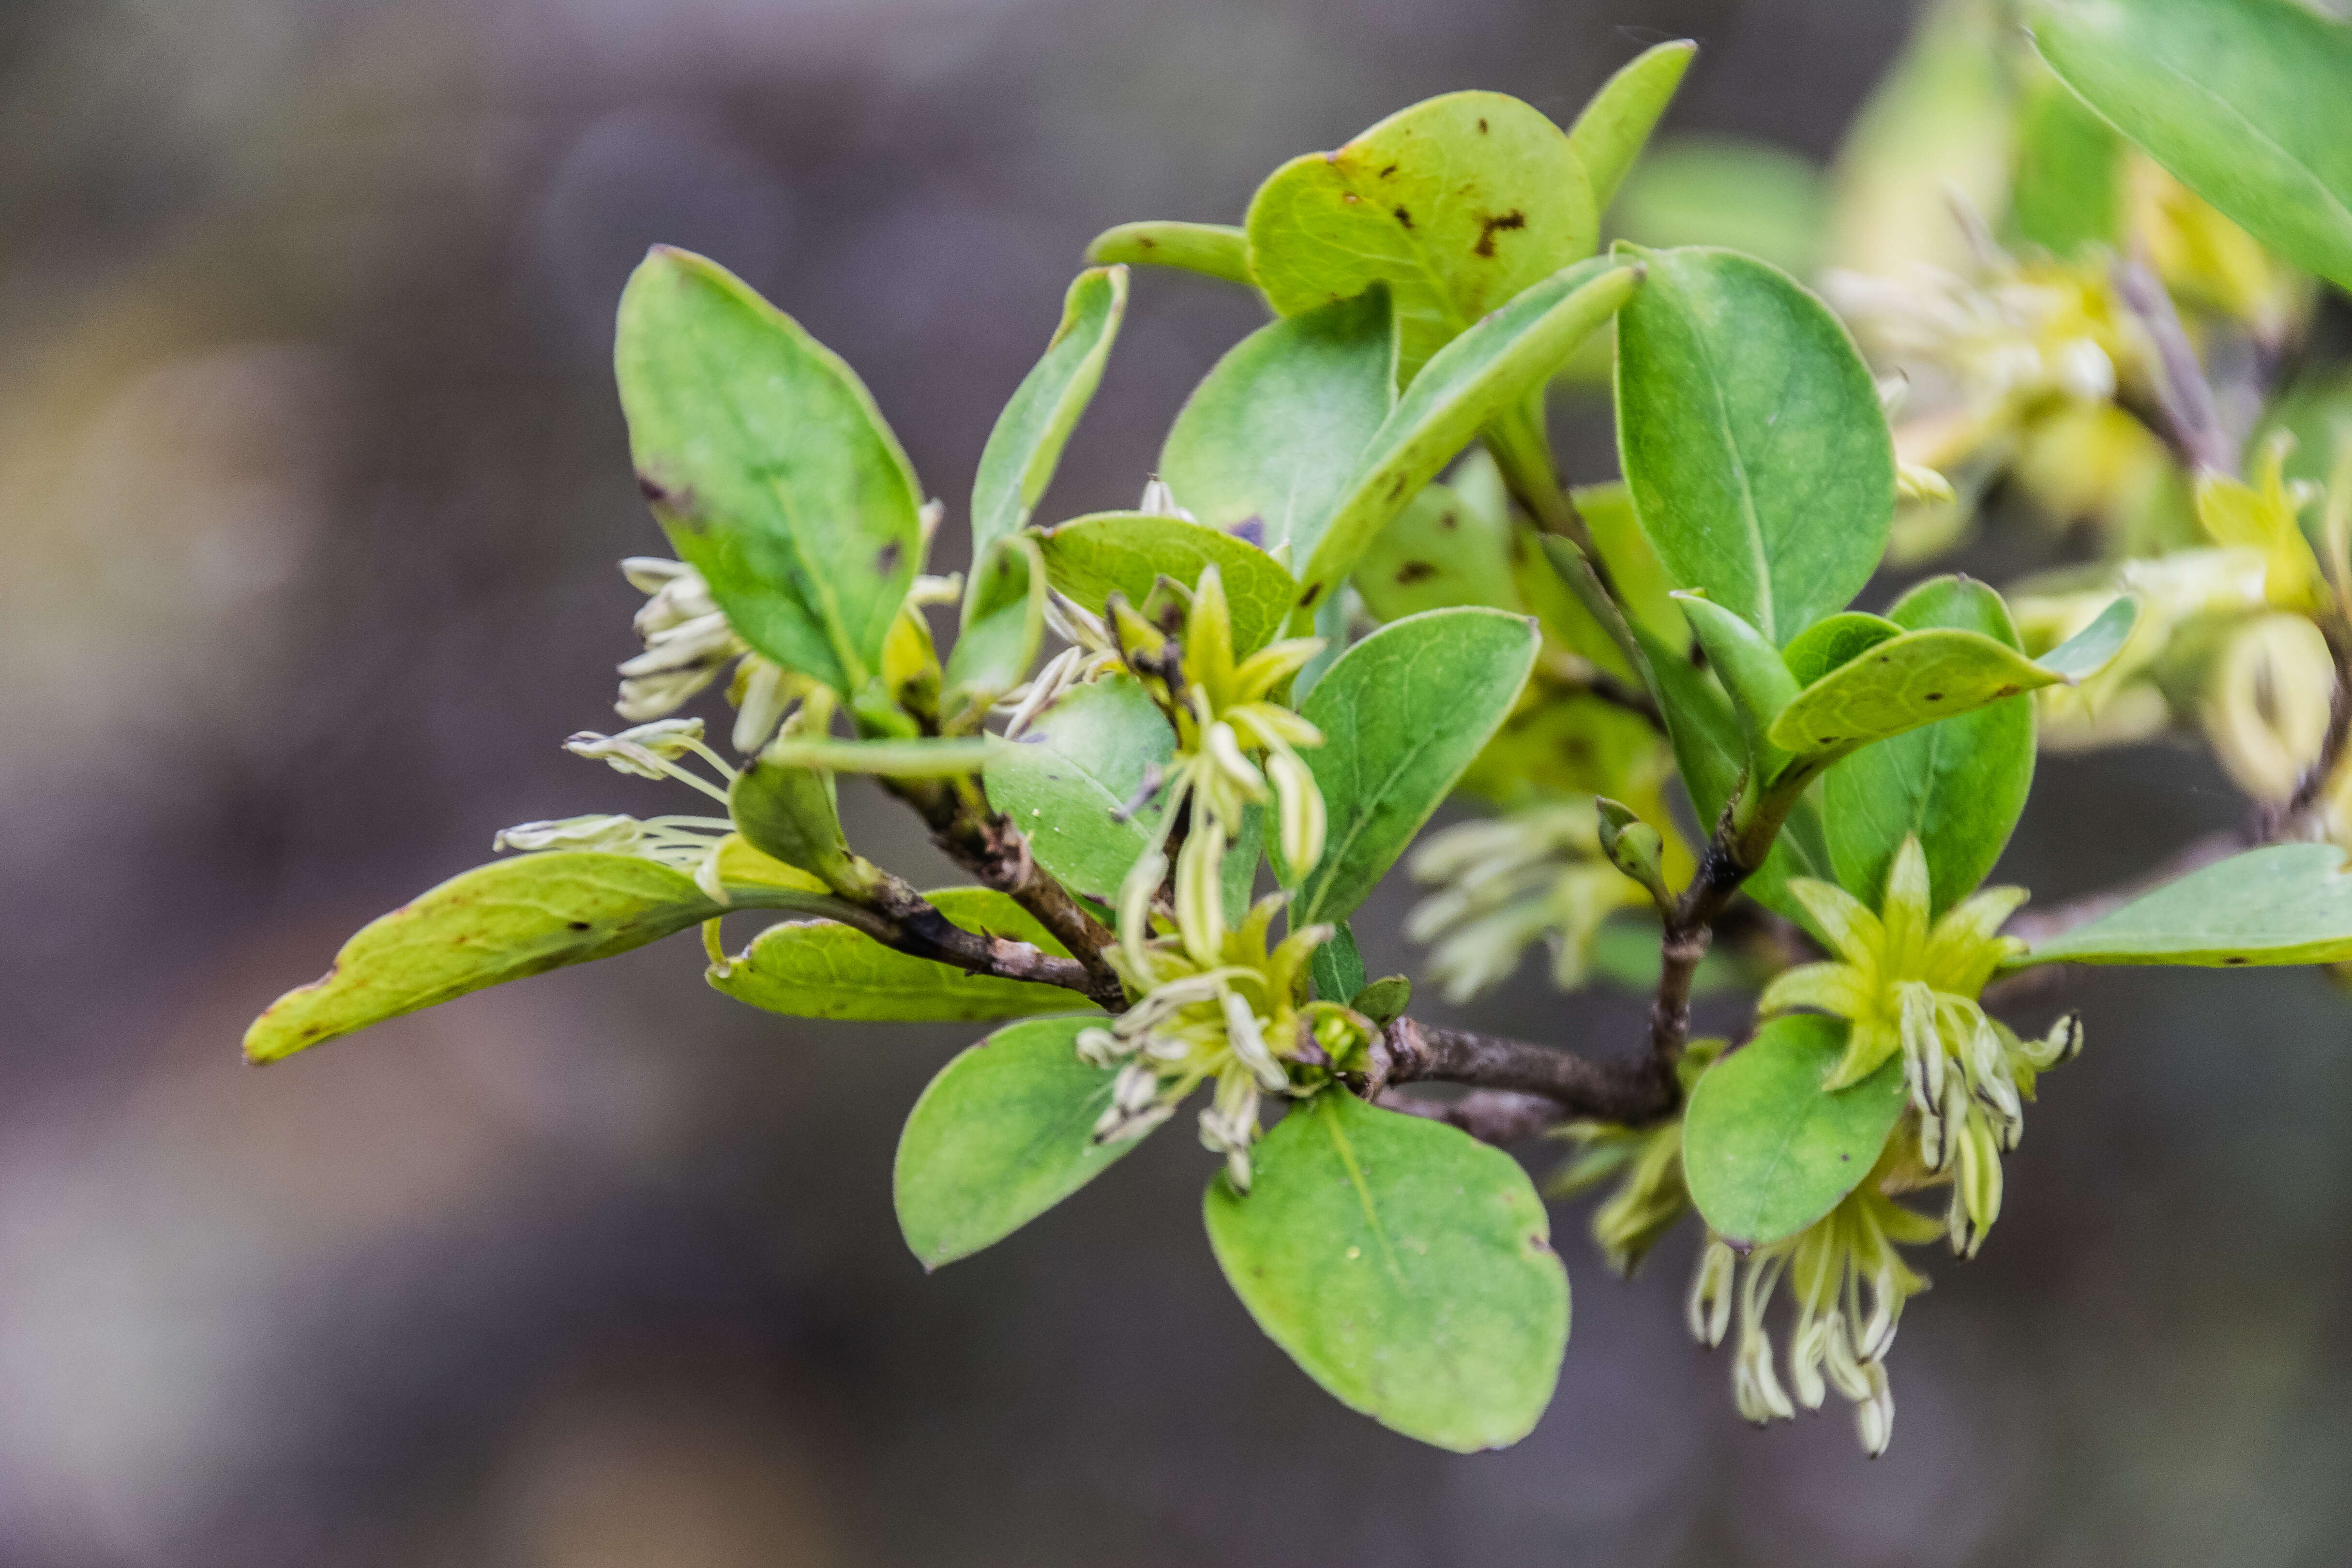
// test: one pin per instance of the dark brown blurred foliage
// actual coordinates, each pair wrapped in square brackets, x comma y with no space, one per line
[312,478]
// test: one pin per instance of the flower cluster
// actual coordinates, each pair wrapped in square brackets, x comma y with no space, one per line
[1850,1285]
[1908,986]
[1236,747]
[1224,1007]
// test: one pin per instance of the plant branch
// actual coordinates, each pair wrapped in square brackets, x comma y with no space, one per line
[2191,419]
[1494,1116]
[986,844]
[1627,1091]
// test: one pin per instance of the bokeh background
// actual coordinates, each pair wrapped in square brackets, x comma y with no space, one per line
[312,480]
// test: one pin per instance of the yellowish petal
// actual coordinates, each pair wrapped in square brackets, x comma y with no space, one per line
[1838,988]
[1854,932]
[1869,1045]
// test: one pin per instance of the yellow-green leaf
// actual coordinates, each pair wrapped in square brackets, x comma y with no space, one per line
[1458,204]
[823,969]
[1090,557]
[1026,447]
[2284,903]
[1214,250]
[1002,1135]
[1406,1268]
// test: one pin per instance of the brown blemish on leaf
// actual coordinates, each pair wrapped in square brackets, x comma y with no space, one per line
[1513,219]
[578,925]
[1482,126]
[2235,958]
[1389,172]
[1307,601]
[1405,217]
[886,560]
[1413,571]
[1935,696]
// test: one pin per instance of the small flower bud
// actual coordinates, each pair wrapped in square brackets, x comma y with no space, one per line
[1873,1418]
[1200,893]
[616,835]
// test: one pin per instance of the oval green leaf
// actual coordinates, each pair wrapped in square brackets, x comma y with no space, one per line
[1026,447]
[1213,249]
[1924,676]
[497,922]
[1458,204]
[2248,102]
[1090,557]
[1406,1268]
[1751,438]
[1616,125]
[2284,903]
[1478,377]
[1268,443]
[768,466]
[1002,1135]
[1958,784]
[822,969]
[1080,761]
[1402,714]
[1765,1150]
[1753,674]
[1825,645]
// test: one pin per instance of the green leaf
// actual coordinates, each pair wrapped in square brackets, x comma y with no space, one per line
[1767,1150]
[1338,967]
[1216,249]
[1458,204]
[1438,552]
[790,814]
[1089,557]
[768,466]
[1403,714]
[2284,903]
[1002,1135]
[1479,376]
[1266,444]
[2068,189]
[1924,676]
[1616,125]
[1384,1000]
[1026,447]
[2248,102]
[1079,762]
[1841,639]
[1406,1268]
[1751,438]
[497,922]
[1717,190]
[2087,652]
[1752,672]
[822,969]
[1004,621]
[1959,785]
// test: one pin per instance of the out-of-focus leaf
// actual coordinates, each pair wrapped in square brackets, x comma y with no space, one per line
[2283,903]
[1458,204]
[1716,190]
[1090,557]
[768,466]
[502,922]
[820,969]
[2249,102]
[1216,249]
[1959,785]
[1001,1136]
[1766,1149]
[1403,714]
[1026,447]
[1079,763]
[1266,444]
[1405,1266]
[1438,552]
[2068,192]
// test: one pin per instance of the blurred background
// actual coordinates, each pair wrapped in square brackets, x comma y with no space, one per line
[311,482]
